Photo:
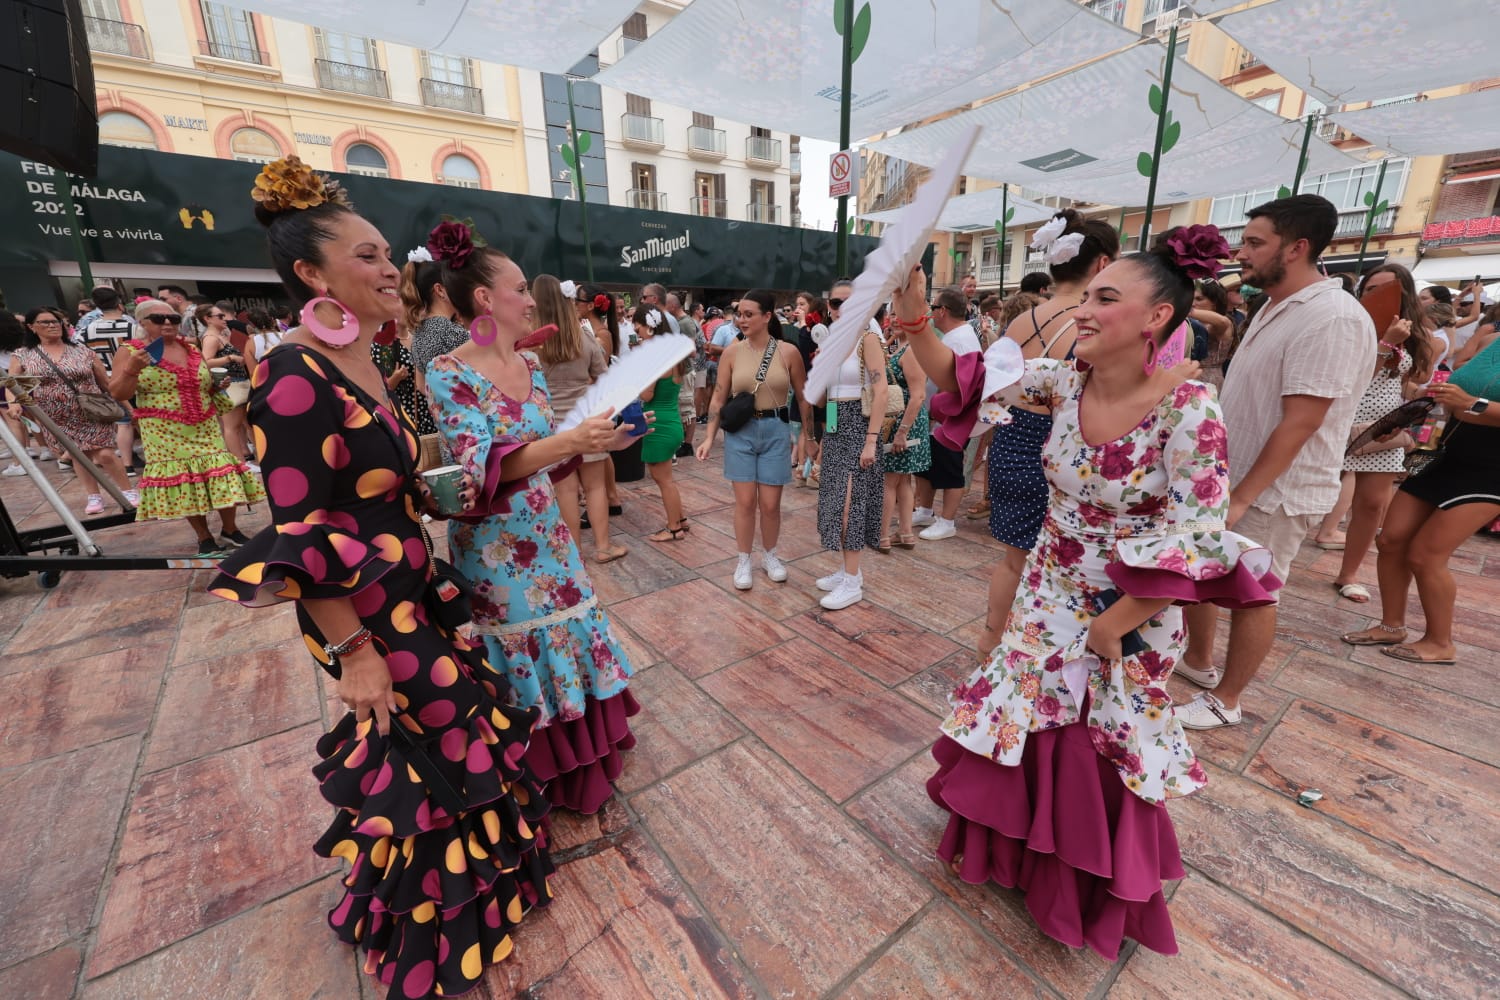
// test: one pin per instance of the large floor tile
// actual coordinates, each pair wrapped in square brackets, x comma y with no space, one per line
[620,927]
[78,589]
[270,692]
[19,597]
[1403,919]
[51,635]
[883,645]
[571,833]
[211,839]
[942,957]
[58,827]
[931,687]
[46,977]
[837,727]
[1227,746]
[798,594]
[699,627]
[644,571]
[802,896]
[281,949]
[76,704]
[226,630]
[677,725]
[1429,802]
[1476,676]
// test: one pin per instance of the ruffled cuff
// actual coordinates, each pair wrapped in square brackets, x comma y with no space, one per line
[304,560]
[1195,567]
[980,378]
[496,492]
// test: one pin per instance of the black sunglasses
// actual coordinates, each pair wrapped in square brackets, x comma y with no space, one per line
[163,319]
[835,303]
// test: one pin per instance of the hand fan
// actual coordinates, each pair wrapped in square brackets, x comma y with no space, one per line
[1384,306]
[237,340]
[629,376]
[1408,414]
[156,349]
[536,338]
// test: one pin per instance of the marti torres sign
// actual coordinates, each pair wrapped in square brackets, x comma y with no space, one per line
[148,207]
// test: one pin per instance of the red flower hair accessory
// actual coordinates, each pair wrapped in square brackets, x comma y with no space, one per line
[453,241]
[601,303]
[1198,250]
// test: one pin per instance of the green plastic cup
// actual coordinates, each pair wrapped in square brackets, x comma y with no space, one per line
[445,484]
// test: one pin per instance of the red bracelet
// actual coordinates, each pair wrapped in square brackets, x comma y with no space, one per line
[915,325]
[359,640]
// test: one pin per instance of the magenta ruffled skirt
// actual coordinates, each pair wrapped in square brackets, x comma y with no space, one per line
[577,761]
[1090,855]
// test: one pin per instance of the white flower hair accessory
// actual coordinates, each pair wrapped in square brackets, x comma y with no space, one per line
[653,319]
[1057,248]
[1049,233]
[569,289]
[421,255]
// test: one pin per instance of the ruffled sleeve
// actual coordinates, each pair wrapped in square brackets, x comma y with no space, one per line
[1197,560]
[312,551]
[988,382]
[453,393]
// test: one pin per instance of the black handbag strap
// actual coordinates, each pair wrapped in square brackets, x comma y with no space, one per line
[765,365]
[67,381]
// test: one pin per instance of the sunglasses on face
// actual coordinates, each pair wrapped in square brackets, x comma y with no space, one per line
[47,322]
[163,319]
[835,303]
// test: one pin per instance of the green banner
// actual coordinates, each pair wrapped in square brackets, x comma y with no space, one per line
[157,208]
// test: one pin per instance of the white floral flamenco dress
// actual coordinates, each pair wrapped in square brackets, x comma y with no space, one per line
[1053,764]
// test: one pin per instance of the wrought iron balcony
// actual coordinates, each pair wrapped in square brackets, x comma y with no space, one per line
[234,52]
[710,208]
[706,143]
[646,198]
[453,96]
[352,79]
[1482,229]
[763,150]
[1350,224]
[641,130]
[757,211]
[119,37]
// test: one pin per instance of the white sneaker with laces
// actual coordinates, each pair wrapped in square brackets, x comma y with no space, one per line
[95,504]
[939,529]
[13,469]
[1207,678]
[1207,712]
[921,517]
[742,577]
[849,591]
[133,497]
[45,456]
[831,581]
[774,567]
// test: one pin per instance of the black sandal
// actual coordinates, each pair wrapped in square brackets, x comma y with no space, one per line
[674,534]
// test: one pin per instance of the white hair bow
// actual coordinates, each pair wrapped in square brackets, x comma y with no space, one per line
[421,255]
[569,289]
[1057,248]
[653,319]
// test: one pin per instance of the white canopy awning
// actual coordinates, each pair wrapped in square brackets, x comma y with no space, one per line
[1080,135]
[549,35]
[1364,50]
[980,210]
[1462,267]
[777,62]
[1463,124]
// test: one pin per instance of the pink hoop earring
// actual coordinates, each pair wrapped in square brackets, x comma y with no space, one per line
[488,337]
[341,337]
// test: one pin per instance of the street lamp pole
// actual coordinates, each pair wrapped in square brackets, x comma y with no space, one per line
[847,37]
[583,198]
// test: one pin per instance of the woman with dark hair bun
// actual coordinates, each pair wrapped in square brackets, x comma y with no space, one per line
[1061,749]
[437,813]
[427,317]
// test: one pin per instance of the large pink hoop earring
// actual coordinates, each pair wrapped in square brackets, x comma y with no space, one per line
[341,337]
[486,338]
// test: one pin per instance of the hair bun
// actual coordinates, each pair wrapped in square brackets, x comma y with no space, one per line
[288,184]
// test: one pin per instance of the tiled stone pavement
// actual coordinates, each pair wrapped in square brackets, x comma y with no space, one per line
[772,837]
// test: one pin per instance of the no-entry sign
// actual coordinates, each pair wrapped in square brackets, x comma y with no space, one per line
[842,175]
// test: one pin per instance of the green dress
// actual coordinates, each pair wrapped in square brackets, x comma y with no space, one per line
[666,434]
[918,454]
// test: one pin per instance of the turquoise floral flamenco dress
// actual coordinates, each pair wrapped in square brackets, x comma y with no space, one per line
[534,606]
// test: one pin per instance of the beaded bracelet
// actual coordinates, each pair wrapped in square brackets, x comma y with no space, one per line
[916,325]
[353,644]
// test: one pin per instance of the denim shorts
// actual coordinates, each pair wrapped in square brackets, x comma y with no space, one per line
[759,452]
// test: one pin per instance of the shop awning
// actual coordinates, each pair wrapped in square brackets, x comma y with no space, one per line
[777,62]
[1462,267]
[1463,124]
[980,210]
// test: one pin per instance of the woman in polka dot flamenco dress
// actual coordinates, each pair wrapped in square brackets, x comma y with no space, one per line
[534,605]
[436,813]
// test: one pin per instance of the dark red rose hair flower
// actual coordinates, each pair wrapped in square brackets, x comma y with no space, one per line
[451,242]
[1198,250]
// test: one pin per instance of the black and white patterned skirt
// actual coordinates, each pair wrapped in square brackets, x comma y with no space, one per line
[840,465]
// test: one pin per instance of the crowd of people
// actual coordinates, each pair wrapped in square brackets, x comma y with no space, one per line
[1150,445]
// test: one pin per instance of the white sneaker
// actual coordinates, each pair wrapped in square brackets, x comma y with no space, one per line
[13,469]
[95,504]
[1206,712]
[132,497]
[34,452]
[1203,678]
[253,467]
[774,567]
[940,529]
[831,581]
[742,578]
[45,456]
[922,516]
[849,591]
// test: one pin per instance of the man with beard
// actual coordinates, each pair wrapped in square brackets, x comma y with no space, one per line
[1289,401]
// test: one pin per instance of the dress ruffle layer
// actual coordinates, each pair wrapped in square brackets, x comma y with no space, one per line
[1172,566]
[407,851]
[195,485]
[980,377]
[307,560]
[578,761]
[1061,826]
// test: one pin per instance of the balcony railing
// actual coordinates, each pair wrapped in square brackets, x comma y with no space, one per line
[705,142]
[1350,224]
[757,211]
[1033,266]
[1485,229]
[989,274]
[796,162]
[710,208]
[453,96]
[352,79]
[234,52]
[1248,60]
[758,147]
[641,130]
[646,198]
[119,37]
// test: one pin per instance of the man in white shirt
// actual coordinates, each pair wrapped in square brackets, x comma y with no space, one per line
[1466,315]
[950,312]
[1289,401]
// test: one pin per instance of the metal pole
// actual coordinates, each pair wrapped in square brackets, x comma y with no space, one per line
[1370,216]
[583,198]
[1302,156]
[39,480]
[1161,125]
[1004,211]
[76,218]
[847,36]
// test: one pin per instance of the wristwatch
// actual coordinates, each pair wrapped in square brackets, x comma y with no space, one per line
[1478,407]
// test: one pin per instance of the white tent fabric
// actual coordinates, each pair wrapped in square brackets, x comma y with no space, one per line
[1463,124]
[980,210]
[1462,267]
[549,35]
[1346,51]
[1079,135]
[777,62]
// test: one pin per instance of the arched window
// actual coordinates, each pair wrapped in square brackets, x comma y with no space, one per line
[459,171]
[365,160]
[120,128]
[251,145]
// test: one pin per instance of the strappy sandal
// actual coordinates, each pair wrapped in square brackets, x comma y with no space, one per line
[1397,635]
[1406,655]
[883,545]
[673,534]
[906,541]
[979,510]
[610,555]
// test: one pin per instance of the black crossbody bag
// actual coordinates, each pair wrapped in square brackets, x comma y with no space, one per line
[736,413]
